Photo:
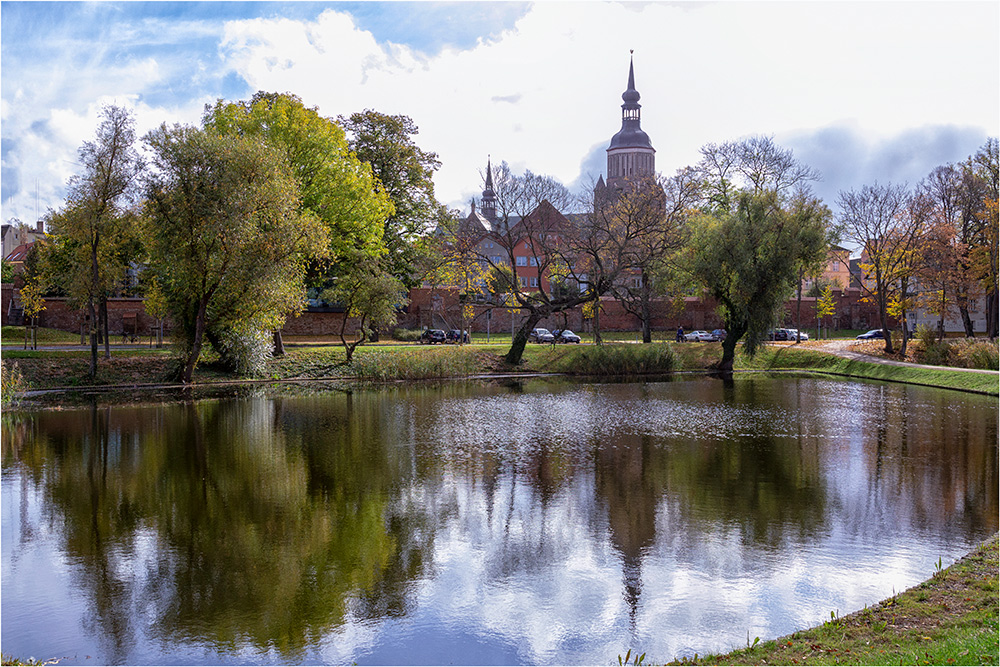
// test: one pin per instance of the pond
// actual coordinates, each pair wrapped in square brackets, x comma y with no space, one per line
[533,522]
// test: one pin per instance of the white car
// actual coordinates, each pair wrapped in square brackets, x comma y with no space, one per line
[802,335]
[701,336]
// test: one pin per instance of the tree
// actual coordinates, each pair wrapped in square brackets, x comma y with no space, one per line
[405,172]
[226,236]
[746,259]
[530,232]
[983,169]
[8,272]
[369,293]
[826,305]
[94,227]
[880,219]
[644,227]
[335,186]
[33,303]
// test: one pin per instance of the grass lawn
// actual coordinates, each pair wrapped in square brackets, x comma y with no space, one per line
[950,619]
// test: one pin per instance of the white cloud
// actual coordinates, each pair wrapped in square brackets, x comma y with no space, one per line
[544,93]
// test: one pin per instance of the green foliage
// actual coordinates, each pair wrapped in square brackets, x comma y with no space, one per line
[636,661]
[417,364]
[406,335]
[8,271]
[335,186]
[405,173]
[930,350]
[617,360]
[245,349]
[746,259]
[226,239]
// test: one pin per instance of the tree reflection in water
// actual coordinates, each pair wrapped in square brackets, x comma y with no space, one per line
[265,524]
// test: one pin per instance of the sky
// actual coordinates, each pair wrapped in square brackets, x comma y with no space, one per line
[861,91]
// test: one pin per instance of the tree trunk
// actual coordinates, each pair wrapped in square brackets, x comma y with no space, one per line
[733,336]
[597,323]
[647,334]
[104,325]
[199,335]
[798,313]
[992,315]
[516,351]
[92,311]
[966,322]
[279,345]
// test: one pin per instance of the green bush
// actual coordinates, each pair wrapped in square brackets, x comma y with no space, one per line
[406,335]
[930,350]
[976,353]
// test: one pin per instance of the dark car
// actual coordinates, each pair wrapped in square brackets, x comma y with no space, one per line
[431,336]
[874,333]
[455,335]
[778,334]
[567,336]
[541,336]
[718,334]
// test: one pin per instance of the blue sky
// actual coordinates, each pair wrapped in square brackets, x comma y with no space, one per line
[861,91]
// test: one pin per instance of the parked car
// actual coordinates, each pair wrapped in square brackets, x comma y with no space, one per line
[541,336]
[699,335]
[778,334]
[795,334]
[431,336]
[874,333]
[567,336]
[718,334]
[454,336]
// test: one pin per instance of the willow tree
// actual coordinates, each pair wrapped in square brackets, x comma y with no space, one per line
[336,188]
[747,259]
[226,236]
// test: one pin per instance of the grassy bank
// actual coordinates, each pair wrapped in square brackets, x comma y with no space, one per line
[798,358]
[406,361]
[950,619]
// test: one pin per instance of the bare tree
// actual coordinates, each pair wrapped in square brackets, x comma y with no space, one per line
[755,164]
[886,223]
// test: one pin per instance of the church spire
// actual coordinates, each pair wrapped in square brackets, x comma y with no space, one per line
[489,202]
[630,153]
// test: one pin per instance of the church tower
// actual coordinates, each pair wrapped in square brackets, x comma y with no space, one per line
[488,204]
[630,155]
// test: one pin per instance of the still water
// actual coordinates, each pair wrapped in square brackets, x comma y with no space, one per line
[535,522]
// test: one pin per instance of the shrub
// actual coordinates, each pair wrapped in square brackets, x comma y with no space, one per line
[418,364]
[11,384]
[245,350]
[617,360]
[930,350]
[406,335]
[976,353]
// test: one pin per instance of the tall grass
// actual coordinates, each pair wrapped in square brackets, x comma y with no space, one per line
[619,360]
[977,353]
[11,384]
[419,364]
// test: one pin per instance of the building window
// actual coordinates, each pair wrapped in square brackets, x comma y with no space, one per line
[534,282]
[521,260]
[533,261]
[489,244]
[524,281]
[495,259]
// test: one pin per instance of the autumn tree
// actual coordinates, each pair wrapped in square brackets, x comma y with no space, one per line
[643,226]
[405,173]
[882,220]
[227,238]
[94,226]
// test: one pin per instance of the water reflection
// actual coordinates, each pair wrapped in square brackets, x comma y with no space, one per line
[536,523]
